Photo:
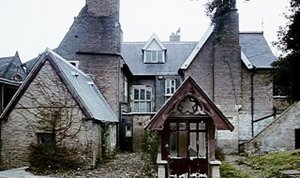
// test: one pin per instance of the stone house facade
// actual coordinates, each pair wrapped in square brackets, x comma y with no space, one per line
[234,72]
[137,78]
[56,104]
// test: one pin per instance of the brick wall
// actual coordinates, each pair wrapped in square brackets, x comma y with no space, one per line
[201,68]
[106,73]
[217,70]
[103,7]
[94,40]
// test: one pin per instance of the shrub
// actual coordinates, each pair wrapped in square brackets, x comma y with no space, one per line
[42,157]
[219,154]
[151,144]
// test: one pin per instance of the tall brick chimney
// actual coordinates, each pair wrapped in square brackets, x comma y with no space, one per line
[103,7]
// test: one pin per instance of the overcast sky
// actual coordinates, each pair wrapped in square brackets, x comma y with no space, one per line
[29,26]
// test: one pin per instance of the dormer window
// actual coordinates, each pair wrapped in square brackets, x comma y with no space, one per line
[154,56]
[154,51]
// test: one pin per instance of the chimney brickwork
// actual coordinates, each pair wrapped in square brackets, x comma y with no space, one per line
[103,7]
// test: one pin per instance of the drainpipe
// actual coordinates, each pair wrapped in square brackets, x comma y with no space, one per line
[252,100]
[213,72]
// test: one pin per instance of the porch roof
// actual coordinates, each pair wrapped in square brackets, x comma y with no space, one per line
[189,88]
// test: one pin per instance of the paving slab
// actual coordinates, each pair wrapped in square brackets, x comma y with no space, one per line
[18,173]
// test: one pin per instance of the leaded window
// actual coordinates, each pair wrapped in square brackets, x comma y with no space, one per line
[142,99]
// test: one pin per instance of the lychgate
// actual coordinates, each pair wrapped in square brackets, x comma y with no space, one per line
[187,124]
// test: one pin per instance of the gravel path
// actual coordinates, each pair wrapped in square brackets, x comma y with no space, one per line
[124,165]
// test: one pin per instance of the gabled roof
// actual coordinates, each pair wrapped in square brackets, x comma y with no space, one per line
[198,47]
[176,54]
[82,88]
[255,51]
[155,38]
[189,88]
[11,65]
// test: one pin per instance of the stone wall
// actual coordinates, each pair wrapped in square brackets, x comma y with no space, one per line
[278,136]
[33,114]
[257,102]
[139,122]
[227,140]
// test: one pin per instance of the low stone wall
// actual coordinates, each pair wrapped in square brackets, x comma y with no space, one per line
[278,136]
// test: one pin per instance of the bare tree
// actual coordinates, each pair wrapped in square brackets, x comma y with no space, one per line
[50,108]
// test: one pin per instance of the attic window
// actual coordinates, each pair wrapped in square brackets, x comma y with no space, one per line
[16,77]
[154,56]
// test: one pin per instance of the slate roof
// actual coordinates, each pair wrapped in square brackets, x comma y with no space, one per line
[11,65]
[82,88]
[90,34]
[256,49]
[254,52]
[176,54]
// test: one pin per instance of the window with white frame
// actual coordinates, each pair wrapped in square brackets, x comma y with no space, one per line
[125,89]
[154,56]
[170,87]
[141,98]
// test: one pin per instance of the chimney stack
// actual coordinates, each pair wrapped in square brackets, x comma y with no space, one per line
[103,8]
[175,37]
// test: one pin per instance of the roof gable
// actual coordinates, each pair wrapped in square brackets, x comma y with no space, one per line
[198,47]
[10,66]
[190,89]
[154,43]
[255,48]
[177,53]
[79,85]
[255,52]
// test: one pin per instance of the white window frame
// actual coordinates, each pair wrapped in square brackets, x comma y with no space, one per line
[125,89]
[170,87]
[141,103]
[154,56]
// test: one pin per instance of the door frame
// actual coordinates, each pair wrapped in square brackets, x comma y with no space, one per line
[187,164]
